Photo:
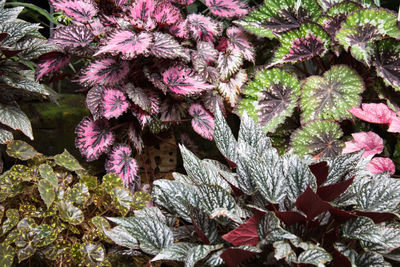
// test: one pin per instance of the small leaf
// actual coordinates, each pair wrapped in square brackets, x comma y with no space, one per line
[166,14]
[369,141]
[203,121]
[227,8]
[5,136]
[14,117]
[120,162]
[21,150]
[7,255]
[202,27]
[94,101]
[47,192]
[269,229]
[47,173]
[106,71]
[238,40]
[67,161]
[361,228]
[51,62]
[142,14]
[317,256]
[114,103]
[69,213]
[311,204]
[111,181]
[231,89]
[11,221]
[236,255]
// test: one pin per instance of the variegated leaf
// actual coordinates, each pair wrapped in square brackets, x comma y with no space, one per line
[72,36]
[232,88]
[227,8]
[203,28]
[229,62]
[105,71]
[120,162]
[203,121]
[114,103]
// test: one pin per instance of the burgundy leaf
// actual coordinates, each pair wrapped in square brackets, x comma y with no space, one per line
[121,2]
[128,43]
[105,71]
[167,14]
[52,64]
[203,28]
[120,162]
[374,113]
[142,14]
[184,81]
[238,40]
[311,204]
[114,103]
[202,122]
[378,165]
[93,138]
[234,256]
[377,217]
[290,217]
[172,111]
[211,99]
[165,46]
[72,36]
[320,171]
[340,260]
[94,101]
[80,10]
[135,138]
[227,8]
[186,141]
[331,192]
[155,79]
[139,97]
[341,215]
[246,233]
[3,36]
[369,141]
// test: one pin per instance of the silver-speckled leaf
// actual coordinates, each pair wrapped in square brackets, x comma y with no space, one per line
[199,252]
[174,252]
[223,137]
[362,228]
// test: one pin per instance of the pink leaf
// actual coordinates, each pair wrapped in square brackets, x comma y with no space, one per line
[80,10]
[374,113]
[183,2]
[72,36]
[227,8]
[120,162]
[167,14]
[105,71]
[128,43]
[378,165]
[203,121]
[369,141]
[206,51]
[142,116]
[180,29]
[238,41]
[93,138]
[394,125]
[114,103]
[142,14]
[51,63]
[184,81]
[94,101]
[203,28]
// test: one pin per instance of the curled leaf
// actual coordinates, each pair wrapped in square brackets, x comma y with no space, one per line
[369,141]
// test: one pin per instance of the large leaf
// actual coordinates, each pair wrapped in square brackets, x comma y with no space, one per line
[390,240]
[387,61]
[93,138]
[5,136]
[13,117]
[128,43]
[114,103]
[153,236]
[379,165]
[120,162]
[319,138]
[72,36]
[142,14]
[227,8]
[330,96]
[47,173]
[212,197]
[203,28]
[363,27]
[80,10]
[105,71]
[269,229]
[203,121]
[122,237]
[165,46]
[301,44]
[374,113]
[28,85]
[362,228]
[369,141]
[7,254]
[244,234]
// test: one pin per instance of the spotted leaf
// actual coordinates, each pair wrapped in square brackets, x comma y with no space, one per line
[51,63]
[128,43]
[203,121]
[232,88]
[120,162]
[319,138]
[387,62]
[72,36]
[227,8]
[93,138]
[114,103]
[378,165]
[374,113]
[203,28]
[79,10]
[105,72]
[330,96]
[369,141]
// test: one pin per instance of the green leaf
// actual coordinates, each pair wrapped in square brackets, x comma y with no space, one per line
[21,150]
[256,28]
[110,181]
[390,240]
[122,237]
[151,212]
[363,27]
[140,200]
[330,96]
[14,117]
[89,181]
[122,199]
[11,221]
[93,254]
[199,252]
[69,213]
[47,173]
[223,136]
[362,228]
[67,161]
[6,255]
[276,92]
[153,236]
[175,252]
[79,194]
[5,136]
[16,30]
[386,60]
[47,192]
[342,167]
[206,224]
[301,44]
[44,235]
[319,137]
[28,85]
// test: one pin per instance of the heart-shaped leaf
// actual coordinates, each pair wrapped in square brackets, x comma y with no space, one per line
[47,192]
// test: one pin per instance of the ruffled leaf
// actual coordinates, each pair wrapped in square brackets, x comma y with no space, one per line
[120,162]
[80,10]
[379,165]
[227,8]
[128,43]
[114,103]
[105,72]
[239,41]
[203,28]
[54,62]
[374,113]
[202,122]
[165,46]
[330,96]
[231,89]
[319,138]
[387,62]
[93,138]
[369,141]
[72,36]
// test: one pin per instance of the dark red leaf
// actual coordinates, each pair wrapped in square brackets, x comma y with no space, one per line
[340,260]
[246,233]
[377,217]
[10,53]
[320,171]
[332,191]
[3,36]
[234,256]
[341,215]
[290,217]
[311,204]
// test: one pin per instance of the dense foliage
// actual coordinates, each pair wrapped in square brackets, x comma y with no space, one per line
[330,55]
[51,208]
[276,210]
[20,44]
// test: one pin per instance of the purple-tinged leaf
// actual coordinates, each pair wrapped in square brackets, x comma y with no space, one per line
[235,256]
[203,28]
[227,8]
[80,10]
[246,233]
[311,204]
[370,141]
[211,99]
[232,88]
[229,62]
[165,46]
[183,2]
[128,43]
[121,2]
[209,73]
[167,14]
[51,63]
[120,162]
[155,79]
[94,101]
[206,51]
[93,138]
[135,138]
[184,81]
[138,96]
[239,41]
[114,103]
[72,36]
[374,113]
[185,140]
[142,116]
[202,122]
[378,165]
[105,71]
[179,29]
[142,14]
[387,62]
[172,111]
